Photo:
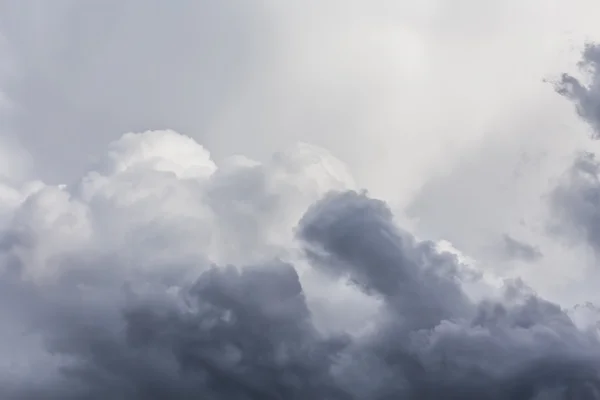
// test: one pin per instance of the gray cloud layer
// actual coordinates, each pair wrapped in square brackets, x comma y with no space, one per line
[162,274]
[247,332]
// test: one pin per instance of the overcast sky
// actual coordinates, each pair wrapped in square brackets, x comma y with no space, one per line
[147,144]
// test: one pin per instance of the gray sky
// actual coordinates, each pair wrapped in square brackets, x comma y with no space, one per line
[453,115]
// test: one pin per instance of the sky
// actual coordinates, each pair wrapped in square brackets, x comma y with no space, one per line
[333,199]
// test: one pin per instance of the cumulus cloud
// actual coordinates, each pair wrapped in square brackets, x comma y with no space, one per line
[161,274]
[161,270]
[575,198]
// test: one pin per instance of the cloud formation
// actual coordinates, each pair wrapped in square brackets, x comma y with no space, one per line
[161,275]
[585,95]
[164,271]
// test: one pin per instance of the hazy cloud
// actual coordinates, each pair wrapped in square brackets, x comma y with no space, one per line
[576,202]
[160,270]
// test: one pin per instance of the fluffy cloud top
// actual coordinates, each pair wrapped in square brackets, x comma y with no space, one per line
[161,275]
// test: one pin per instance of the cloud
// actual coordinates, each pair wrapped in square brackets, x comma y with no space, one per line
[585,96]
[503,185]
[161,270]
[372,82]
[516,249]
[575,199]
[153,215]
[575,202]
[161,274]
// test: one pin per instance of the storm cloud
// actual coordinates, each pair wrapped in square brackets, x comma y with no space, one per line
[157,269]
[130,284]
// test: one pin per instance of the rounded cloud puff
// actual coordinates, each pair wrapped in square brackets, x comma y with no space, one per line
[159,194]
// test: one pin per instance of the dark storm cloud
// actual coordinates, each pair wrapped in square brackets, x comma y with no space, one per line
[247,333]
[240,335]
[585,96]
[442,345]
[357,238]
[108,278]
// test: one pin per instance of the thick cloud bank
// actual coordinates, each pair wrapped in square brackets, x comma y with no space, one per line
[161,275]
